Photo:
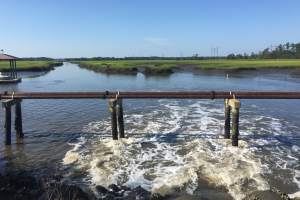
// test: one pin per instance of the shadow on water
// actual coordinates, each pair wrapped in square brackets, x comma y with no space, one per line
[157,76]
[285,140]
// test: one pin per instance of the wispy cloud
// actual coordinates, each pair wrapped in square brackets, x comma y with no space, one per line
[159,41]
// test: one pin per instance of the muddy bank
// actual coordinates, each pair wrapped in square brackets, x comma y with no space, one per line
[259,71]
[149,71]
[19,186]
[109,70]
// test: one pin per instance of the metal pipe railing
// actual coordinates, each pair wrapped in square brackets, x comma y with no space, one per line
[145,95]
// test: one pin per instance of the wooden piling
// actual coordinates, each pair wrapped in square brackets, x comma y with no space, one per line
[18,118]
[112,106]
[235,104]
[7,127]
[227,120]
[120,118]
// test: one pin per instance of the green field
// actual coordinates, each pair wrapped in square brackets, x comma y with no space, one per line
[30,65]
[196,64]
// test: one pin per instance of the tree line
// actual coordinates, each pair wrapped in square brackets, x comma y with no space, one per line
[194,57]
[286,51]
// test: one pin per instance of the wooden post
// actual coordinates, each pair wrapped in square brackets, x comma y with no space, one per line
[227,120]
[235,104]
[112,105]
[120,118]
[18,118]
[7,126]
[16,69]
[7,107]
[11,69]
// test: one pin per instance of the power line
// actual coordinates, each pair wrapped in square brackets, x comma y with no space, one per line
[181,55]
[213,51]
[272,47]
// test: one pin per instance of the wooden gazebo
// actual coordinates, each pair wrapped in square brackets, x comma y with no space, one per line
[13,69]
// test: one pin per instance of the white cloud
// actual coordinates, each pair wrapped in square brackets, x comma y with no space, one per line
[159,41]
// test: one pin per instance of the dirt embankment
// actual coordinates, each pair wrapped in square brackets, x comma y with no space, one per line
[149,71]
[253,71]
[109,70]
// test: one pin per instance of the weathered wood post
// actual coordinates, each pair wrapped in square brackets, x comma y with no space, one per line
[7,127]
[18,118]
[120,118]
[114,129]
[235,104]
[227,119]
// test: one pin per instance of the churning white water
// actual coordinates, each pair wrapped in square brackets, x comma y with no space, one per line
[173,144]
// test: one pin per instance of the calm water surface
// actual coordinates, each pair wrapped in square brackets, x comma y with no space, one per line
[173,146]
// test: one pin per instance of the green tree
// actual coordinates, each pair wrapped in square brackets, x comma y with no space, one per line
[231,56]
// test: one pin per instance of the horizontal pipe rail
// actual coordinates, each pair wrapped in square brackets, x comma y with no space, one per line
[152,93]
[145,95]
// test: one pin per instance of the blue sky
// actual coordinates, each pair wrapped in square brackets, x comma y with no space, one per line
[77,28]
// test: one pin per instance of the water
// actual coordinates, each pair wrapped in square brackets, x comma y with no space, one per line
[172,146]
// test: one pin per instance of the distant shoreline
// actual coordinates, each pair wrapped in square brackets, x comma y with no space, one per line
[31,66]
[167,67]
[260,71]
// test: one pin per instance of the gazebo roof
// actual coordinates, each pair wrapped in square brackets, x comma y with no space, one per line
[8,57]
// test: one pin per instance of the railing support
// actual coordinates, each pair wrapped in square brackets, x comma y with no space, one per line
[7,127]
[235,104]
[112,105]
[120,118]
[227,120]
[18,118]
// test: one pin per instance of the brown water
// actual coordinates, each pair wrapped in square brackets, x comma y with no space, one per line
[173,146]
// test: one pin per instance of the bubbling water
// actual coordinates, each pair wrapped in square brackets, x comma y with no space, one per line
[169,148]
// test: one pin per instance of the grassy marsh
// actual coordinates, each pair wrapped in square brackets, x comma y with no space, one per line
[30,65]
[247,64]
[196,64]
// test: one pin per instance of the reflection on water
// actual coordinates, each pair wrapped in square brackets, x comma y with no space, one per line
[173,146]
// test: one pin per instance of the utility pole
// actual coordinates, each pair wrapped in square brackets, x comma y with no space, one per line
[214,50]
[272,47]
[181,55]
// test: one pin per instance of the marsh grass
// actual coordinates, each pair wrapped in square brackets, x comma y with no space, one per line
[197,64]
[29,65]
[247,64]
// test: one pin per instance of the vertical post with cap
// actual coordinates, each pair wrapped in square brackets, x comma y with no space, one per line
[112,106]
[7,127]
[120,118]
[18,118]
[235,104]
[227,120]
[16,69]
[11,69]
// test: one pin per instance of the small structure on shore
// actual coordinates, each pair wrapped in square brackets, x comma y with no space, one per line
[13,76]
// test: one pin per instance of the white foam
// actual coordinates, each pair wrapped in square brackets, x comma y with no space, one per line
[195,151]
[72,156]
[294,195]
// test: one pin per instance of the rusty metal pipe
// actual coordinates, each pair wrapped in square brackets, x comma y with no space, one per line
[132,95]
[152,93]
[100,96]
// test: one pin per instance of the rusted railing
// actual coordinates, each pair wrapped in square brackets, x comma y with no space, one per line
[15,98]
[144,95]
